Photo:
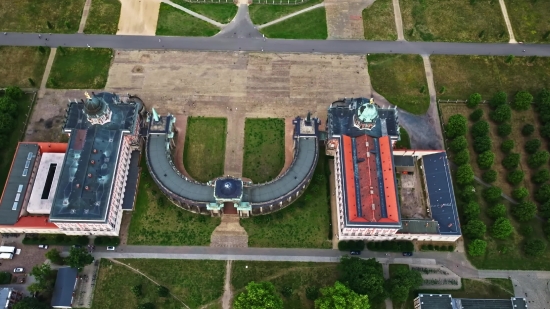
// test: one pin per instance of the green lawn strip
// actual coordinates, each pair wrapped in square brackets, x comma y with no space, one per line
[530,20]
[296,275]
[103,17]
[156,221]
[23,63]
[204,150]
[464,75]
[220,12]
[405,142]
[264,148]
[33,16]
[309,25]
[195,282]
[379,21]
[80,68]
[175,22]
[453,21]
[401,80]
[264,13]
[304,224]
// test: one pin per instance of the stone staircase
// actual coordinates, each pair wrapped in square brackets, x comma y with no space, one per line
[229,234]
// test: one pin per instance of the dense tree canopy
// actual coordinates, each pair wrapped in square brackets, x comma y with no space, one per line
[511,161]
[501,114]
[402,282]
[482,144]
[458,144]
[492,194]
[471,210]
[78,258]
[500,98]
[534,247]
[524,211]
[489,176]
[364,277]
[44,279]
[474,229]
[531,146]
[541,176]
[480,128]
[502,228]
[340,296]
[474,100]
[31,303]
[515,177]
[462,157]
[527,129]
[497,211]
[542,194]
[485,160]
[522,101]
[260,295]
[456,126]
[476,115]
[520,193]
[504,129]
[538,159]
[477,247]
[464,175]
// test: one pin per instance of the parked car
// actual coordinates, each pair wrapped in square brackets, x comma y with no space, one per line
[111,248]
[43,246]
[407,254]
[19,270]
[355,252]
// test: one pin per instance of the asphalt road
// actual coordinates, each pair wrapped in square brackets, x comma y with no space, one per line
[272,45]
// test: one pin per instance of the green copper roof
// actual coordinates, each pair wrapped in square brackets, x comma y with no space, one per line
[367,113]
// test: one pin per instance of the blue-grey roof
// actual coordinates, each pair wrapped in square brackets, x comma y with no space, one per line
[441,192]
[436,301]
[17,183]
[64,287]
[131,182]
[445,301]
[228,188]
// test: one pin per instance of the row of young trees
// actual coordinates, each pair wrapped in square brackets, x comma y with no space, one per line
[8,112]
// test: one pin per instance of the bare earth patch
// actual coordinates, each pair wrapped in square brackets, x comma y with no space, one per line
[138,17]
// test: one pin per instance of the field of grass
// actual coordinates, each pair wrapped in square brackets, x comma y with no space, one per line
[405,142]
[264,13]
[103,17]
[304,224]
[174,22]
[379,21]
[464,75]
[33,16]
[453,21]
[401,80]
[310,25]
[530,20]
[204,150]
[80,68]
[295,275]
[20,64]
[220,12]
[264,148]
[156,221]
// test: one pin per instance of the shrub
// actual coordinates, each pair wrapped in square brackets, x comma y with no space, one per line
[468,193]
[524,211]
[531,146]
[534,247]
[522,101]
[497,211]
[501,114]
[464,175]
[474,229]
[456,126]
[462,157]
[541,176]
[498,99]
[54,256]
[473,100]
[545,130]
[136,289]
[542,194]
[527,129]
[471,210]
[485,160]
[538,159]
[107,241]
[504,129]
[507,146]
[312,292]
[502,228]
[482,144]
[458,144]
[13,92]
[492,194]
[515,177]
[480,128]
[55,239]
[511,161]
[476,114]
[162,291]
[393,245]
[526,230]
[351,245]
[545,209]
[520,193]
[489,176]
[477,247]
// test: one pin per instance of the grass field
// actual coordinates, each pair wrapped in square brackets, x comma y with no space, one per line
[156,221]
[264,13]
[264,149]
[530,20]
[464,75]
[80,68]
[24,63]
[453,21]
[304,224]
[379,21]
[220,12]
[103,17]
[174,22]
[405,141]
[310,25]
[33,16]
[401,80]
[204,150]
[295,275]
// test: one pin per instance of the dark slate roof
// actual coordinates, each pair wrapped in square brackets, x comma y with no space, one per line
[389,115]
[466,303]
[131,182]
[441,193]
[403,160]
[64,287]
[436,301]
[445,301]
[228,188]
[419,226]
[17,183]
[519,303]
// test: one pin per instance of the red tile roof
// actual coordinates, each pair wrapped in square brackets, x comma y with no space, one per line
[388,173]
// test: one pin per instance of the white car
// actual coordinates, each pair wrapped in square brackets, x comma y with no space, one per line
[18,270]
[43,246]
[111,248]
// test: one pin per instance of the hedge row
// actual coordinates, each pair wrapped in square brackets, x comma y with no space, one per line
[430,247]
[393,245]
[55,239]
[351,245]
[107,241]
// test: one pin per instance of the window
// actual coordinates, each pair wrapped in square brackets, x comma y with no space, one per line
[25,171]
[14,206]
[20,189]
[17,196]
[29,156]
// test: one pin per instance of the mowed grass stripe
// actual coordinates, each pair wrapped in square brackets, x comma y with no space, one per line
[263,13]
[220,12]
[379,21]
[103,17]
[24,63]
[175,22]
[80,68]
[310,25]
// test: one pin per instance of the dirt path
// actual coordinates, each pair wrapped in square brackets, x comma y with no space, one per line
[398,20]
[46,75]
[85,13]
[138,17]
[507,21]
[345,18]
[227,294]
[234,143]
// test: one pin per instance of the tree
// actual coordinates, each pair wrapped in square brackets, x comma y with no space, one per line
[498,99]
[480,128]
[31,303]
[462,157]
[527,129]
[526,230]
[482,144]
[501,114]
[531,146]
[458,144]
[364,277]
[497,211]
[474,229]
[45,278]
[476,114]
[511,161]
[136,289]
[534,247]
[474,100]
[468,193]
[6,123]
[54,256]
[489,176]
[538,159]
[464,175]
[8,106]
[545,129]
[485,160]
[401,282]
[312,292]
[545,209]
[456,126]
[522,101]
[162,291]
[515,177]
[78,258]
[524,211]
[471,210]
[340,296]
[504,129]
[492,194]
[542,194]
[477,247]
[507,146]
[541,176]
[13,92]
[502,228]
[520,193]
[258,295]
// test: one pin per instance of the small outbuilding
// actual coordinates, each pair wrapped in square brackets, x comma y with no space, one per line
[64,289]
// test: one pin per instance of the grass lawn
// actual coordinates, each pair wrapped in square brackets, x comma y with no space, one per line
[529,20]
[220,12]
[379,21]
[464,75]
[304,224]
[33,16]
[204,150]
[405,142]
[174,22]
[103,17]
[156,221]
[309,25]
[401,80]
[264,13]
[264,149]
[296,275]
[453,21]
[80,68]
[23,63]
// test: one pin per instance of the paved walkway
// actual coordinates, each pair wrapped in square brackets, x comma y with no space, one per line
[229,234]
[278,20]
[345,18]
[398,20]
[227,293]
[194,14]
[85,13]
[234,143]
[386,270]
[432,114]
[240,27]
[507,21]
[46,75]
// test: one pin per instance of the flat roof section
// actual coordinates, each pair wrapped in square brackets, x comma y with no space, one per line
[131,182]
[45,184]
[64,287]
[436,301]
[403,160]
[17,182]
[367,177]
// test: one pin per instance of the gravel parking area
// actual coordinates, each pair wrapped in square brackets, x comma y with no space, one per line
[30,255]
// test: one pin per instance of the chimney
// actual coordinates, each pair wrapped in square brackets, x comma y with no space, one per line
[90,175]
[93,161]
[78,185]
[87,188]
[95,150]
